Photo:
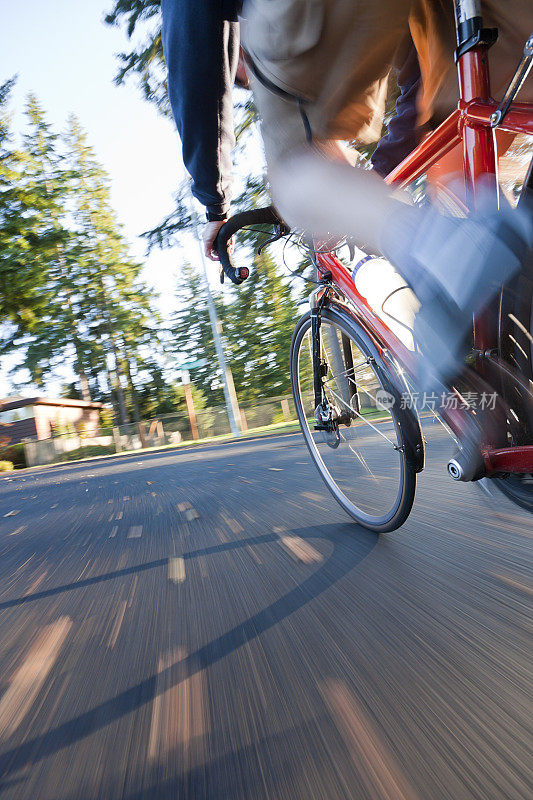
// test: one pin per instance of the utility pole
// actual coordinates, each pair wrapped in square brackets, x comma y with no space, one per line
[230,395]
[191,411]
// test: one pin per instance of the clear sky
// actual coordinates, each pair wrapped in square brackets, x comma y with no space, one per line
[63,52]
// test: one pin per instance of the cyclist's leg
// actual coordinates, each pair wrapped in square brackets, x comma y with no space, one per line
[334,54]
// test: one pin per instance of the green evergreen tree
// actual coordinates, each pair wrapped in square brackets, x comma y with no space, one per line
[70,293]
[258,328]
[256,325]
[60,329]
[114,301]
[141,21]
[192,336]
[28,235]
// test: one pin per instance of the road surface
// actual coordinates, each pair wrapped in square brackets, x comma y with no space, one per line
[208,624]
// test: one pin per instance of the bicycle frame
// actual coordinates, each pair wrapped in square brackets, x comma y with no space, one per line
[470,125]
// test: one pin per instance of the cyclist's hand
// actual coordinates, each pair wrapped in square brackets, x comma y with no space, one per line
[209,234]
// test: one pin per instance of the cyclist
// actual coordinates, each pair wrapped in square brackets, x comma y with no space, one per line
[319,75]
[201,46]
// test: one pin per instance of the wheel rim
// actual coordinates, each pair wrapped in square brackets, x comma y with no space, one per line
[516,347]
[362,464]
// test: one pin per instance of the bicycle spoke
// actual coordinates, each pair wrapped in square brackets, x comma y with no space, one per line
[357,414]
[346,373]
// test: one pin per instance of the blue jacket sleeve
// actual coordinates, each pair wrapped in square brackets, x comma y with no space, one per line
[200,44]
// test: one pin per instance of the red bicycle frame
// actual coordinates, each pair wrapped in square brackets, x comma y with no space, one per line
[469,124]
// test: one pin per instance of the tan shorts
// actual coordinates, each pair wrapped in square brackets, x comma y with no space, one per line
[336,54]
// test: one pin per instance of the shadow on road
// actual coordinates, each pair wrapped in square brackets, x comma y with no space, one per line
[67,587]
[120,573]
[350,546]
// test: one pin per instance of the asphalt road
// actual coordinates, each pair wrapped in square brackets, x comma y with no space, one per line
[208,624]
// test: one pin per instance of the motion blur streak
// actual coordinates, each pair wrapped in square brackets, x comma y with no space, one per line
[179,714]
[29,678]
[382,776]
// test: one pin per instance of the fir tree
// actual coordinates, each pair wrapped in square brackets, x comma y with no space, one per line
[28,235]
[70,293]
[258,327]
[112,299]
[192,336]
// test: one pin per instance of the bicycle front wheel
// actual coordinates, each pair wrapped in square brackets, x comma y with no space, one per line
[363,456]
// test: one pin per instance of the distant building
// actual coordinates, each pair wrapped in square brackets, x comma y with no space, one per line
[39,417]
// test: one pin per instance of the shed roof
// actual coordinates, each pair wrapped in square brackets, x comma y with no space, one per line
[9,403]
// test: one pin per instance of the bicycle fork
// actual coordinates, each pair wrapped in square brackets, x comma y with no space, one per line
[318,365]
[327,415]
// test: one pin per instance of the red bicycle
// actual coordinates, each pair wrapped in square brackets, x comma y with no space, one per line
[352,374]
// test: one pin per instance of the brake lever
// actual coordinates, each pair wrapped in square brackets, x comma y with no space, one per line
[281,230]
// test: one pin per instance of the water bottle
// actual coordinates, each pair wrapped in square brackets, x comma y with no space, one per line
[387,294]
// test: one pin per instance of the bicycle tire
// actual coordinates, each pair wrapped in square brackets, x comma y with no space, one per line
[515,344]
[406,427]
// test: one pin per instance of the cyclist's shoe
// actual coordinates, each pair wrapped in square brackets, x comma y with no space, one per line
[455,267]
[442,333]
